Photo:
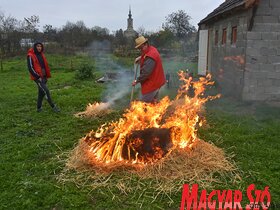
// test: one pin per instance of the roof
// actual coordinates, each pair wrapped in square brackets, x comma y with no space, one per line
[227,6]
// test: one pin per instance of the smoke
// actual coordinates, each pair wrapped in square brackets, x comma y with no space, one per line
[113,95]
[118,78]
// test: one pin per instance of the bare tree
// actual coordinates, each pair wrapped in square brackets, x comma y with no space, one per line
[141,31]
[185,33]
[50,33]
[178,23]
[9,36]
[31,24]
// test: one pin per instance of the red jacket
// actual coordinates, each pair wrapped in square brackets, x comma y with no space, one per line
[36,64]
[157,78]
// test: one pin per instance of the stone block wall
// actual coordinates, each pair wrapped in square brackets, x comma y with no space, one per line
[262,72]
[227,62]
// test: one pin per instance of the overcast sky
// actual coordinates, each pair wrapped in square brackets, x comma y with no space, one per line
[111,14]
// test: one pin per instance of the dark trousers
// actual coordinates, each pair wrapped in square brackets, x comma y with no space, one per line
[43,91]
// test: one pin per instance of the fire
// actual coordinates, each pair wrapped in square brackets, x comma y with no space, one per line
[94,109]
[148,132]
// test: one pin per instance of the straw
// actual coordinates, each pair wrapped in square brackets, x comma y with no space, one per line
[204,164]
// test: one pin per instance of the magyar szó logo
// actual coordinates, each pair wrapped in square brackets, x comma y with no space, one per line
[224,199]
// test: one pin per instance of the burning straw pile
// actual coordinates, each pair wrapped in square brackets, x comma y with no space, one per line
[95,110]
[154,148]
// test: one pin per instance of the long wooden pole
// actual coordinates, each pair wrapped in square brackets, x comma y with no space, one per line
[135,77]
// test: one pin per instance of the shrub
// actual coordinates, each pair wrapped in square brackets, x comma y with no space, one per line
[85,72]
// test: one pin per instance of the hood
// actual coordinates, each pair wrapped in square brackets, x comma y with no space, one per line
[34,46]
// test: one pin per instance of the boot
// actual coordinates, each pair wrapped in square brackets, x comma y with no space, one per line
[56,109]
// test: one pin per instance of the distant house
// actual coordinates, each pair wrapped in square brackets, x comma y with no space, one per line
[239,44]
[26,43]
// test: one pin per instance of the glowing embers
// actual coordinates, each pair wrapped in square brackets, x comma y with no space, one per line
[148,132]
[148,145]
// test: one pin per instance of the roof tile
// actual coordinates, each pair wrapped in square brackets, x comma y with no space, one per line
[224,7]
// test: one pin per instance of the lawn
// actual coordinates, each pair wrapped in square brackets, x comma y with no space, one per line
[34,146]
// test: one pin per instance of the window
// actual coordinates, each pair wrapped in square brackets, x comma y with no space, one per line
[233,35]
[216,37]
[224,38]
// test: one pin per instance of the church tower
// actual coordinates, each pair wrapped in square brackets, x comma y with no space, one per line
[129,32]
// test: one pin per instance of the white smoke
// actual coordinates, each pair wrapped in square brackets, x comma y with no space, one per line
[118,87]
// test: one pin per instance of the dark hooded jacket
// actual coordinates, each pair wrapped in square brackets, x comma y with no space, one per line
[37,63]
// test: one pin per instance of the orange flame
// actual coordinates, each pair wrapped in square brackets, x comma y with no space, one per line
[178,118]
[94,109]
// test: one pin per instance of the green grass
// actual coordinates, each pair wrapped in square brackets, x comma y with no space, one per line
[173,65]
[250,132]
[34,146]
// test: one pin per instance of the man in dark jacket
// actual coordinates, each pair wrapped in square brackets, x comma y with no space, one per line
[151,70]
[40,72]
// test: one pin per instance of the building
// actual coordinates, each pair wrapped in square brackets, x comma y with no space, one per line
[26,42]
[239,44]
[129,32]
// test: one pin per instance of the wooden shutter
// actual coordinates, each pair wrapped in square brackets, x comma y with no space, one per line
[202,52]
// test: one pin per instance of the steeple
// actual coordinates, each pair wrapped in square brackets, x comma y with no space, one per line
[129,32]
[129,14]
[129,19]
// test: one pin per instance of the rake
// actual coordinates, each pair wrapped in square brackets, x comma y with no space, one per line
[135,77]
